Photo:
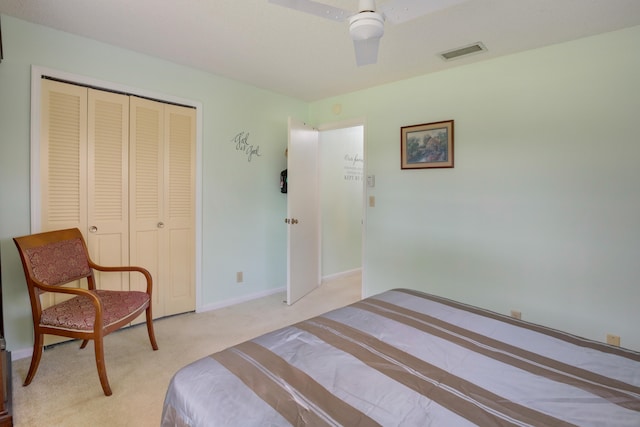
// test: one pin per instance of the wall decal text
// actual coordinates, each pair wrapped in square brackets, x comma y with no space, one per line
[241,141]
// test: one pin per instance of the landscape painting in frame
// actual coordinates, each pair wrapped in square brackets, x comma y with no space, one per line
[429,145]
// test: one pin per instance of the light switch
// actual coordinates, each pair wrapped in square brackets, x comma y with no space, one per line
[372,201]
[371,181]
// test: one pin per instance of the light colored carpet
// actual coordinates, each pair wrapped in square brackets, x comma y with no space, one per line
[66,390]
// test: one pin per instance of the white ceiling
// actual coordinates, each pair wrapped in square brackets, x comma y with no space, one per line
[311,58]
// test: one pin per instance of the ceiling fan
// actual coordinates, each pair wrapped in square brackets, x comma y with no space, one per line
[366,25]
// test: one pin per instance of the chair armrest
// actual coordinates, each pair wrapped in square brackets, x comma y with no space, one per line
[63,290]
[144,272]
[75,291]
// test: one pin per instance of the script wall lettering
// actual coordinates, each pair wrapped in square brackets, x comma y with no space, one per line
[241,142]
[353,166]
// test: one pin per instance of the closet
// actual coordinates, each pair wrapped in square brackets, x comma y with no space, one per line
[122,170]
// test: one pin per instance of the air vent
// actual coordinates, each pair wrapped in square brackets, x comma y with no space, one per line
[463,51]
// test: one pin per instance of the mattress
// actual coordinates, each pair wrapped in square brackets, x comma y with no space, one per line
[407,358]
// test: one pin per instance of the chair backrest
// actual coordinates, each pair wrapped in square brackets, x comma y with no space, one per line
[54,257]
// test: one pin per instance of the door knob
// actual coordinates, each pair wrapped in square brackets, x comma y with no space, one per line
[93,229]
[161,224]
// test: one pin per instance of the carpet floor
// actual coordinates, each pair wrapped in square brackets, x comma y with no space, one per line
[66,390]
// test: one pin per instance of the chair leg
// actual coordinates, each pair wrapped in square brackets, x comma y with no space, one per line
[84,344]
[102,370]
[35,358]
[152,335]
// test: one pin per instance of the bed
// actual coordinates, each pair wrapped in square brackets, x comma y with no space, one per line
[407,358]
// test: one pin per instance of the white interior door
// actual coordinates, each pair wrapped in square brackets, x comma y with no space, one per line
[303,235]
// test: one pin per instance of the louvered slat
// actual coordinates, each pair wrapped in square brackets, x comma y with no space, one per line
[181,163]
[63,145]
[147,161]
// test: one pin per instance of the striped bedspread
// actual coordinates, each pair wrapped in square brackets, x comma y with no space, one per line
[406,358]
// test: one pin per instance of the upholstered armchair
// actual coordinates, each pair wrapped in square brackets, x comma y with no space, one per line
[55,258]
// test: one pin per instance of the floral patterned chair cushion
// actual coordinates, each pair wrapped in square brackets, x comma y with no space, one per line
[59,262]
[79,313]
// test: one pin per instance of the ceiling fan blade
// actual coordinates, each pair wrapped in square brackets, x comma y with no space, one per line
[315,8]
[366,51]
[399,11]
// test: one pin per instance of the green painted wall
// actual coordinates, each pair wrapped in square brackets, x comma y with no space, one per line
[541,212]
[242,208]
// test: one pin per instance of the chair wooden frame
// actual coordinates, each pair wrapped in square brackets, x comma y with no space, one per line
[36,285]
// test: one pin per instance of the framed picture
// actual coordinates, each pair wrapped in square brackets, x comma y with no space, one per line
[429,145]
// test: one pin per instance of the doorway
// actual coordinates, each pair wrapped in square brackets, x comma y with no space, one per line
[341,170]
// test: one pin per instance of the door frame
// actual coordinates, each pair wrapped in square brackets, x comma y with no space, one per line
[37,72]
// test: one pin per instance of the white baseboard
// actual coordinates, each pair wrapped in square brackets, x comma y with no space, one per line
[234,301]
[340,275]
[22,353]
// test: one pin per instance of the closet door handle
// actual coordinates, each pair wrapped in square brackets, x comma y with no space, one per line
[93,229]
[161,224]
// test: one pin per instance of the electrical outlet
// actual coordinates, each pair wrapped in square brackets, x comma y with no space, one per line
[613,340]
[372,201]
[516,314]
[239,278]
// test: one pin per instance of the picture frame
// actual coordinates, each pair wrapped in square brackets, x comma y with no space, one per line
[428,145]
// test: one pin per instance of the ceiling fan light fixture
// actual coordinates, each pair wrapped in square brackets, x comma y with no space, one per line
[366,25]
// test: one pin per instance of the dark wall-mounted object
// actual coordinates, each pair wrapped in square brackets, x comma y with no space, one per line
[283,181]
[6,420]
[1,53]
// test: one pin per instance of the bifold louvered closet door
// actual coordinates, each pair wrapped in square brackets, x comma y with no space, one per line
[162,195]
[122,170]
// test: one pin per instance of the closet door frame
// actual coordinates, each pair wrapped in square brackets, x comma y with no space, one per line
[37,73]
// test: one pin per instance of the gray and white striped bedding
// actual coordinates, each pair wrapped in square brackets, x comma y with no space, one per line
[406,358]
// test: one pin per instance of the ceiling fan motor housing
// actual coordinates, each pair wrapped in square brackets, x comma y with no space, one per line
[366,25]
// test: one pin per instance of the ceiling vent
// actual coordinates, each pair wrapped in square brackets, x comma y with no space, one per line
[463,51]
